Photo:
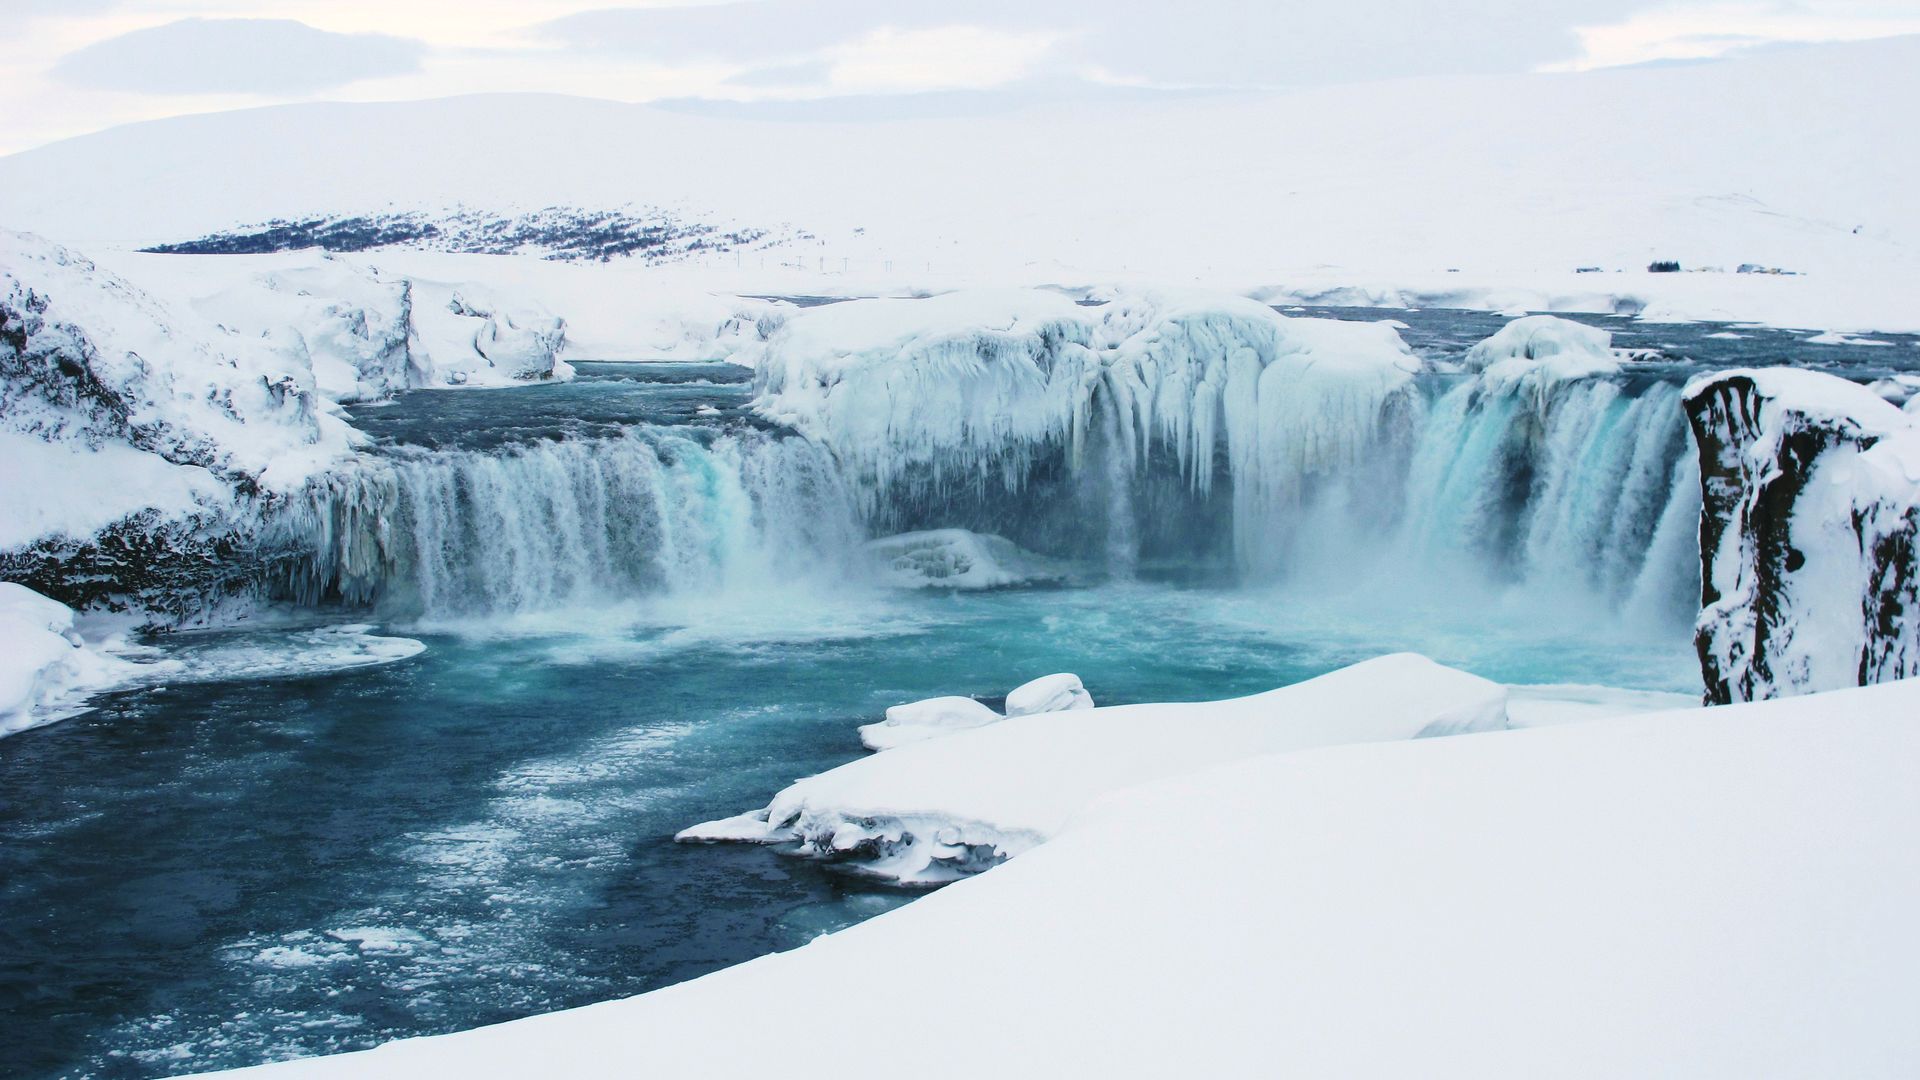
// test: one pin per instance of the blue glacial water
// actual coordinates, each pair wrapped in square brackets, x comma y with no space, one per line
[275,858]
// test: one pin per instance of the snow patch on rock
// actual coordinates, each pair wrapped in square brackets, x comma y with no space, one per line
[1810,534]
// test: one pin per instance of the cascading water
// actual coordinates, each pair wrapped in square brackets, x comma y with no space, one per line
[1587,487]
[449,533]
[1572,486]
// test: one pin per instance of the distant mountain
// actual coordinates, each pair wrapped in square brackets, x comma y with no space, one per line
[653,236]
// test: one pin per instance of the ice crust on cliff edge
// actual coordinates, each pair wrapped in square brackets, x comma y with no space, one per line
[1811,533]
[1678,892]
[937,810]
[970,387]
[139,404]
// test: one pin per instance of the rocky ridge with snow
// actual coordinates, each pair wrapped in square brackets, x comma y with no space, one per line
[1810,534]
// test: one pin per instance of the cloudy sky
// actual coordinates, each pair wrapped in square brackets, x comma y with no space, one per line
[68,67]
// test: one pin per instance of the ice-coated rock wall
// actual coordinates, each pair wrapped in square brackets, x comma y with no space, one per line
[1811,491]
[141,439]
[1189,424]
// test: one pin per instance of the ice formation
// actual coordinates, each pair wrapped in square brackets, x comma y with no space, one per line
[940,809]
[957,559]
[1810,534]
[972,388]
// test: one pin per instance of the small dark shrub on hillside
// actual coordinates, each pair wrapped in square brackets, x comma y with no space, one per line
[1663,266]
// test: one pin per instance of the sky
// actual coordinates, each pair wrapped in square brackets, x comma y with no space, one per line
[68,67]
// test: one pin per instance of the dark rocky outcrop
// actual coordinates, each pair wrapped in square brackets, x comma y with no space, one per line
[1810,509]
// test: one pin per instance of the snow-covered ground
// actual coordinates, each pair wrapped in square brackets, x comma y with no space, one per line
[943,808]
[1698,892]
[1491,192]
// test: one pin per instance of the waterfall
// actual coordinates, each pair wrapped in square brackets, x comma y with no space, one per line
[1587,487]
[1583,489]
[453,533]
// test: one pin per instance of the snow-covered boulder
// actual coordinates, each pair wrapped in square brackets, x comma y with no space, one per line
[957,559]
[1810,534]
[46,669]
[1049,693]
[1543,339]
[932,718]
[944,808]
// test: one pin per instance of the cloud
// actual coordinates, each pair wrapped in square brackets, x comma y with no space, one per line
[799,73]
[23,9]
[277,57]
[1195,42]
[1705,31]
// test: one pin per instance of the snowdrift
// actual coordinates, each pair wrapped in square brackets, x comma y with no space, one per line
[1710,893]
[1810,534]
[47,671]
[933,811]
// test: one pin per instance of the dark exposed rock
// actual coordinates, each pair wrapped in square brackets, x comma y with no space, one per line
[1807,535]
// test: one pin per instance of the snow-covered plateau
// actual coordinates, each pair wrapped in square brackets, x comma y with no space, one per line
[1487,192]
[1711,892]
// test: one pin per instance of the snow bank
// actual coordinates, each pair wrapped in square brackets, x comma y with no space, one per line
[938,810]
[957,559]
[46,670]
[1810,534]
[1707,893]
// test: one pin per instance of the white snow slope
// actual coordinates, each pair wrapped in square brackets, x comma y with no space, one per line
[936,810]
[1800,159]
[1700,893]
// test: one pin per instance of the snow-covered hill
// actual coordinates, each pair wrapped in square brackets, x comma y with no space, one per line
[1471,191]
